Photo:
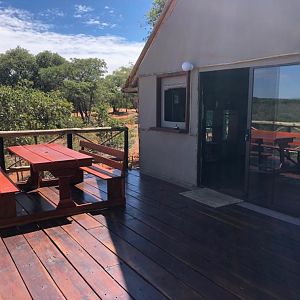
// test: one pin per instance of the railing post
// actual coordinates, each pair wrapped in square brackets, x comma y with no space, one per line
[70,140]
[2,156]
[126,147]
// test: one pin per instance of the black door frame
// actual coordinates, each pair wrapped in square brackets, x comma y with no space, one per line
[202,132]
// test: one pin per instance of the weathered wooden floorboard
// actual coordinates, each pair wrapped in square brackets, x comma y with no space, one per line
[63,273]
[165,282]
[206,277]
[267,276]
[184,272]
[283,241]
[102,283]
[221,254]
[250,218]
[279,243]
[219,228]
[160,235]
[131,281]
[11,283]
[35,276]
[265,248]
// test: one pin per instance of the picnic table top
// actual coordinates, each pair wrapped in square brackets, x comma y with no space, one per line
[45,156]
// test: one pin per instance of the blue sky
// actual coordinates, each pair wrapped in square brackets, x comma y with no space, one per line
[110,29]
[277,82]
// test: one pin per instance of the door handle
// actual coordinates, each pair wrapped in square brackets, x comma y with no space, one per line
[247,135]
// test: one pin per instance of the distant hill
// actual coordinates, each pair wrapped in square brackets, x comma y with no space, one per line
[281,110]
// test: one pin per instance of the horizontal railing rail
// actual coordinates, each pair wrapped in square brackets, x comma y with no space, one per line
[279,126]
[68,132]
[12,134]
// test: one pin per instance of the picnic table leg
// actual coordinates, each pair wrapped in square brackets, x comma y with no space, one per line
[260,150]
[281,155]
[65,199]
[298,161]
[33,182]
[77,177]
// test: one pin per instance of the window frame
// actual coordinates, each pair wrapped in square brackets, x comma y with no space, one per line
[160,105]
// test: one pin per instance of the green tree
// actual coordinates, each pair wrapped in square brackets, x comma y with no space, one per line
[155,12]
[113,89]
[48,59]
[83,84]
[17,65]
[52,78]
[25,108]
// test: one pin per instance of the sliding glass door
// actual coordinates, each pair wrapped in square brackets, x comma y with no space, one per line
[250,135]
[274,169]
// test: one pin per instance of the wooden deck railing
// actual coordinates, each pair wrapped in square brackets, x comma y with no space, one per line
[280,126]
[68,133]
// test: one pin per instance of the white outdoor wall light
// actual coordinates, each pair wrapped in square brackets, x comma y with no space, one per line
[187,66]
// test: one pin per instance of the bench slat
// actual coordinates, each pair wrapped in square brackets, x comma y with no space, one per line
[104,160]
[97,173]
[6,185]
[107,150]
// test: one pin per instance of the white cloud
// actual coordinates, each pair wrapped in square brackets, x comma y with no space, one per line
[92,22]
[98,23]
[79,9]
[52,13]
[106,7]
[18,19]
[17,28]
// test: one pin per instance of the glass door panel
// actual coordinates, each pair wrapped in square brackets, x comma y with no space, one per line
[274,172]
[225,107]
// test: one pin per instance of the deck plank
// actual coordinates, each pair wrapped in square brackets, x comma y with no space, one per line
[165,282]
[275,239]
[131,281]
[37,279]
[266,277]
[12,285]
[94,274]
[219,256]
[206,277]
[65,276]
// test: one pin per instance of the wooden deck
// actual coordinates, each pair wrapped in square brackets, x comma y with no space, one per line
[161,246]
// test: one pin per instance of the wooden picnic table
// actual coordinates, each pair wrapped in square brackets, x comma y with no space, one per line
[283,142]
[63,163]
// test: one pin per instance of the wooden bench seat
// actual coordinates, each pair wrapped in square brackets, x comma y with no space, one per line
[7,196]
[109,166]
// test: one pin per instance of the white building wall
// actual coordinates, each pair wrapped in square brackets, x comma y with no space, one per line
[218,34]
[167,155]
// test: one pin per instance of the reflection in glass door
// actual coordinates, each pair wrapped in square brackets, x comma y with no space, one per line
[225,111]
[274,171]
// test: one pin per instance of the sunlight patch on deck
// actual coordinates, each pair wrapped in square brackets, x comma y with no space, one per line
[210,197]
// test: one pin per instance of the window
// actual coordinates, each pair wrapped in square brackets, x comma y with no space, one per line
[173,102]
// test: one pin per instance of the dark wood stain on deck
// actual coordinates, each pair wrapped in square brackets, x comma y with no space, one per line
[161,246]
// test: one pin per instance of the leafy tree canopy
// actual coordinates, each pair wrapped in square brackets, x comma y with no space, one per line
[155,12]
[113,89]
[16,65]
[83,84]
[25,108]
[87,69]
[48,59]
[52,78]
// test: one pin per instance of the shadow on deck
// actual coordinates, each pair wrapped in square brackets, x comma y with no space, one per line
[162,245]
